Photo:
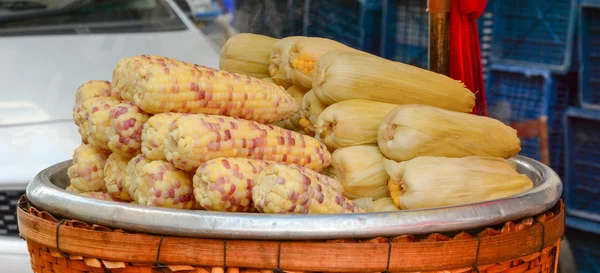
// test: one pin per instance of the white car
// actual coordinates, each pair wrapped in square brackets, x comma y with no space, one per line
[42,63]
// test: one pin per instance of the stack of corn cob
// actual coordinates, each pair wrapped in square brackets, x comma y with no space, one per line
[295,125]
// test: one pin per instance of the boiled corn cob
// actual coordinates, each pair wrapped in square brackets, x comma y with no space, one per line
[344,75]
[310,109]
[196,138]
[132,172]
[360,170]
[98,124]
[160,184]
[209,91]
[302,56]
[115,170]
[100,195]
[93,89]
[154,134]
[384,204]
[87,171]
[279,63]
[293,123]
[434,182]
[281,188]
[125,131]
[72,189]
[128,69]
[351,122]
[410,131]
[247,54]
[83,111]
[225,184]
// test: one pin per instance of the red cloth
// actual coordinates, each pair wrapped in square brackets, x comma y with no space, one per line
[465,51]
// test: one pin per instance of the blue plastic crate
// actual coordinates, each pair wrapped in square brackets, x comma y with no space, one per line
[516,94]
[352,22]
[582,162]
[536,33]
[585,250]
[405,35]
[485,27]
[589,56]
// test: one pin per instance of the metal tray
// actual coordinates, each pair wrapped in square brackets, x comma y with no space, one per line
[46,191]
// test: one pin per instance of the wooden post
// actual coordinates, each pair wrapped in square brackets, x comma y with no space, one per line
[439,31]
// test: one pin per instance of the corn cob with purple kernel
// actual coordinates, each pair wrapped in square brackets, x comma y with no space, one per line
[132,172]
[209,91]
[154,134]
[125,132]
[87,172]
[281,188]
[114,174]
[97,122]
[94,89]
[225,184]
[125,72]
[101,196]
[196,138]
[83,111]
[160,184]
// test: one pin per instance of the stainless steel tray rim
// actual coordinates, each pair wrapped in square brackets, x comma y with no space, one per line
[226,225]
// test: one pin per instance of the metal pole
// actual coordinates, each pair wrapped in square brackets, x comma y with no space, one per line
[439,31]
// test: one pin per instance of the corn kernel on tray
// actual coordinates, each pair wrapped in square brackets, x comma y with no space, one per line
[296,126]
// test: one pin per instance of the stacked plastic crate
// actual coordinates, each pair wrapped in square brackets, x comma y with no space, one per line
[582,139]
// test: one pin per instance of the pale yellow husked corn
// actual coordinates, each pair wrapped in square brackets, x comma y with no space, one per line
[282,188]
[310,109]
[160,184]
[125,132]
[101,196]
[343,75]
[279,62]
[132,172]
[115,170]
[127,69]
[410,131]
[361,172]
[435,182]
[209,91]
[154,135]
[93,89]
[225,184]
[293,123]
[83,111]
[247,54]
[87,171]
[196,138]
[97,126]
[351,122]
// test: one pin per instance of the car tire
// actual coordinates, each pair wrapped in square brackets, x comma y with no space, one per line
[566,259]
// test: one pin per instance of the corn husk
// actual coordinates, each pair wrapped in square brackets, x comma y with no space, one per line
[364,203]
[410,131]
[384,204]
[310,108]
[360,170]
[293,123]
[343,75]
[434,182]
[279,61]
[247,54]
[351,122]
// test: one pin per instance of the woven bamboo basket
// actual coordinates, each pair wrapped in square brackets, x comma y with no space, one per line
[529,245]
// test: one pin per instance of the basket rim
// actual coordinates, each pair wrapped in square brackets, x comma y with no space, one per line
[522,240]
[42,192]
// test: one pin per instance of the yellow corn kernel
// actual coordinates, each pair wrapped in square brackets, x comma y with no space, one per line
[93,89]
[343,75]
[87,171]
[72,189]
[225,184]
[282,188]
[97,125]
[125,131]
[154,135]
[132,172]
[279,63]
[115,169]
[196,138]
[310,109]
[160,184]
[209,91]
